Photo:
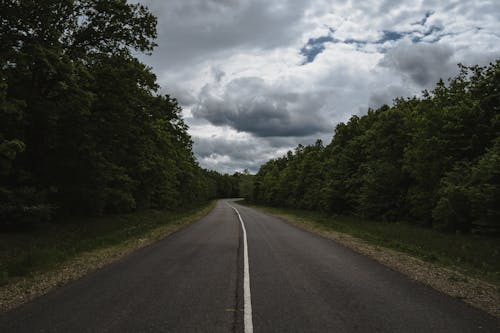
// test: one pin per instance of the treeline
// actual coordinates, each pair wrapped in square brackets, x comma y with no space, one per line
[433,160]
[82,128]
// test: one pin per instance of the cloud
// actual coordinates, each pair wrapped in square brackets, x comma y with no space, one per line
[218,73]
[184,96]
[229,154]
[386,95]
[256,77]
[421,63]
[192,30]
[423,21]
[249,104]
[390,36]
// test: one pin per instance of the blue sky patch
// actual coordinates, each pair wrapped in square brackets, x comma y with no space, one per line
[315,46]
[391,35]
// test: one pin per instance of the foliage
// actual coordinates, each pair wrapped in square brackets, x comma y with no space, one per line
[82,128]
[432,160]
[469,195]
[245,184]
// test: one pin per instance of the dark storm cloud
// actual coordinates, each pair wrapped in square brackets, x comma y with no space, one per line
[250,105]
[246,150]
[218,74]
[193,30]
[423,64]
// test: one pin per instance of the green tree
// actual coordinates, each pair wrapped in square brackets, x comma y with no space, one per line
[469,195]
[82,128]
[431,160]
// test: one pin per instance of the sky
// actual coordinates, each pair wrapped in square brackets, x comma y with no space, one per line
[255,78]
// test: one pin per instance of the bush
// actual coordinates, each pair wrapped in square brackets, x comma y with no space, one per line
[24,206]
[453,210]
[13,216]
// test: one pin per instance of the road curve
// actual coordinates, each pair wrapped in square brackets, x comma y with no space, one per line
[193,282]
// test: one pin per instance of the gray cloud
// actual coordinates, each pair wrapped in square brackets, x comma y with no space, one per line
[220,146]
[193,30]
[387,95]
[183,95]
[230,155]
[218,73]
[423,64]
[250,105]
[236,65]
[424,19]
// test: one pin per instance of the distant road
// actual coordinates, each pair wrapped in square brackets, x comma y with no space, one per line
[193,281]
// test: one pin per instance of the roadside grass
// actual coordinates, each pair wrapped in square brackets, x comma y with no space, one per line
[24,254]
[477,256]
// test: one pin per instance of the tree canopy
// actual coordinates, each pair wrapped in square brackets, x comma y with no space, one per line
[433,160]
[83,129]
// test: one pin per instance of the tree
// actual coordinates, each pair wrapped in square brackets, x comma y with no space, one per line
[469,195]
[431,160]
[82,128]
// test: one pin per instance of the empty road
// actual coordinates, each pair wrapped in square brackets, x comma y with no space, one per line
[214,277]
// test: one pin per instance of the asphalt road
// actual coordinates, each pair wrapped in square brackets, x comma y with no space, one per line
[193,281]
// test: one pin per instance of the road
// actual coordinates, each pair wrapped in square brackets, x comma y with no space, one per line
[193,281]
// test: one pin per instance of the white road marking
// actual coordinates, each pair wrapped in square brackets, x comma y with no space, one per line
[247,298]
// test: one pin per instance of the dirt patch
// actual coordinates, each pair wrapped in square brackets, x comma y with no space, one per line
[477,293]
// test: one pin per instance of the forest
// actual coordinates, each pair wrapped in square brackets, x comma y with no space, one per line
[432,160]
[84,129]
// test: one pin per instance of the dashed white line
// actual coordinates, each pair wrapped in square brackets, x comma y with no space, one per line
[247,298]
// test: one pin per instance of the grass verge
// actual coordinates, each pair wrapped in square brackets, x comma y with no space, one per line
[34,261]
[462,266]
